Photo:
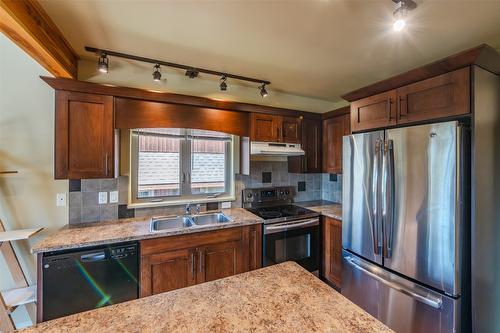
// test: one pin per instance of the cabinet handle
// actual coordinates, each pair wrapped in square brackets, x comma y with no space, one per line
[200,253]
[192,263]
[389,108]
[106,163]
[401,115]
[279,137]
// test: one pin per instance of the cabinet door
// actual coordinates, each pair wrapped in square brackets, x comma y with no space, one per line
[264,127]
[441,96]
[374,112]
[333,131]
[311,143]
[290,130]
[84,136]
[220,260]
[167,271]
[332,250]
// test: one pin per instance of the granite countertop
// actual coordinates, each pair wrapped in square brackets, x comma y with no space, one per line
[323,207]
[98,233]
[279,298]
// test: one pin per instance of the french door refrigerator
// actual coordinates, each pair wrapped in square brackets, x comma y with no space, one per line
[404,234]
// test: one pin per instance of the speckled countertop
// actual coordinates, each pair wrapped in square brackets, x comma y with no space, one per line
[279,298]
[98,233]
[327,208]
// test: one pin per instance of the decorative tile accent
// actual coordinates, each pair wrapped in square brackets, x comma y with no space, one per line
[333,177]
[301,186]
[124,212]
[75,185]
[266,177]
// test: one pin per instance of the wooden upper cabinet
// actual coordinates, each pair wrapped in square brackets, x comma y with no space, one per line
[332,250]
[441,96]
[290,130]
[272,128]
[84,136]
[374,111]
[311,143]
[264,127]
[333,130]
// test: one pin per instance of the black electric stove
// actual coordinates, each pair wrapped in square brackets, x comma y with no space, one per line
[282,213]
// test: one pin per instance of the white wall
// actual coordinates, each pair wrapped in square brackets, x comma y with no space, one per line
[27,199]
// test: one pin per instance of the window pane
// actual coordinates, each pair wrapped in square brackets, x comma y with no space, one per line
[158,164]
[208,166]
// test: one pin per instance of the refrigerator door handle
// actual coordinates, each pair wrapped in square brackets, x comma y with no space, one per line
[434,302]
[388,195]
[375,195]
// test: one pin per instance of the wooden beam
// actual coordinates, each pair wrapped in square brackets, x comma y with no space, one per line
[27,24]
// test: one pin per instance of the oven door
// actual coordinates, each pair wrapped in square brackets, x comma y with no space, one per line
[292,240]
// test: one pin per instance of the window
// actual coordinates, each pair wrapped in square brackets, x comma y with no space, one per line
[174,166]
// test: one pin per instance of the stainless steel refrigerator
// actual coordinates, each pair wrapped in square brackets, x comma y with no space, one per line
[404,226]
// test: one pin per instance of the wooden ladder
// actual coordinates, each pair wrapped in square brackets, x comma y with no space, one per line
[23,294]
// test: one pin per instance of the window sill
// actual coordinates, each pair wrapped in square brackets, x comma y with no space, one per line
[180,202]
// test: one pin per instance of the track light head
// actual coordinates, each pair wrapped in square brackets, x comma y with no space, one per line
[192,73]
[223,84]
[263,91]
[103,63]
[401,12]
[156,73]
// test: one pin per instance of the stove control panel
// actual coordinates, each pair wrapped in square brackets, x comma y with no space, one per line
[252,196]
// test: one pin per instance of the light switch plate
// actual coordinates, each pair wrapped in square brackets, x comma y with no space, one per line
[103,198]
[225,205]
[61,199]
[113,197]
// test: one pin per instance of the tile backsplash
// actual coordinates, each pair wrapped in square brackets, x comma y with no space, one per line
[84,194]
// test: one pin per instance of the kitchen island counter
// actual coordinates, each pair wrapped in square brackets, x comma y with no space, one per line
[279,298]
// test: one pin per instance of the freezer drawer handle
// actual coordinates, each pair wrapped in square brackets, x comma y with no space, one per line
[428,300]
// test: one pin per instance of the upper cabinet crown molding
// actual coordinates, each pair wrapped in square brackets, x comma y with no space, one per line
[483,56]
[165,97]
[27,24]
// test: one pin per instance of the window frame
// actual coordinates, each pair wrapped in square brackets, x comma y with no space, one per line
[185,166]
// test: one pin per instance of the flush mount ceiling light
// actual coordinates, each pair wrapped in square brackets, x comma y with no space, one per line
[102,63]
[401,12]
[223,84]
[263,91]
[156,73]
[191,72]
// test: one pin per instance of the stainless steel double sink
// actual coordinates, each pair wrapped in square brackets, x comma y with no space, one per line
[187,221]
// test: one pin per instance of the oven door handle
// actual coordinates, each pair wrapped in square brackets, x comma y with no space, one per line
[269,229]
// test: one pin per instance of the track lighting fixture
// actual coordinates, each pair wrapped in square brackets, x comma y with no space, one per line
[401,12]
[191,72]
[223,84]
[263,91]
[156,73]
[102,64]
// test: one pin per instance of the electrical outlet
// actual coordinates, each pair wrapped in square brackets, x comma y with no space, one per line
[103,198]
[61,199]
[225,205]
[113,197]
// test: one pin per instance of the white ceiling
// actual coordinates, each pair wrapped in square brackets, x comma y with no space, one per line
[312,51]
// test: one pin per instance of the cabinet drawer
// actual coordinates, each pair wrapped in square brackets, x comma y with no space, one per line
[441,96]
[374,112]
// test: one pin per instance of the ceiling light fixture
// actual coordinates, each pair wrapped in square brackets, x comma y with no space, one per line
[156,73]
[223,84]
[263,91]
[401,12]
[191,71]
[103,63]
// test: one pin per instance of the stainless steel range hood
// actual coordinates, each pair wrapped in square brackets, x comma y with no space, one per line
[276,149]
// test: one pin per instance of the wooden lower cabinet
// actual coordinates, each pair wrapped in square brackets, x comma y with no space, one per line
[332,250]
[174,262]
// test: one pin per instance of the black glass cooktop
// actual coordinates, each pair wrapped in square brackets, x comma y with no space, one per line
[285,212]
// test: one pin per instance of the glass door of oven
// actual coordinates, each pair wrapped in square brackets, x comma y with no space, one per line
[296,240]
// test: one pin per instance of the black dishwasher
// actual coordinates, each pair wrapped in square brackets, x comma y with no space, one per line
[85,279]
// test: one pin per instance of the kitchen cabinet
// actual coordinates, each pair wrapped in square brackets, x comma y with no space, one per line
[175,262]
[273,128]
[332,250]
[333,130]
[441,96]
[84,136]
[311,141]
